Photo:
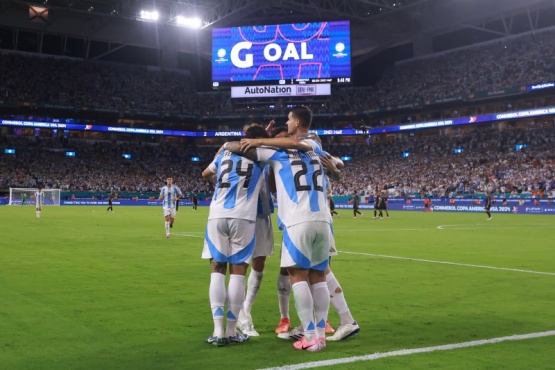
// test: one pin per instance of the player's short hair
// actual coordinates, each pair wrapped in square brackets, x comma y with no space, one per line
[256,132]
[249,124]
[278,130]
[303,114]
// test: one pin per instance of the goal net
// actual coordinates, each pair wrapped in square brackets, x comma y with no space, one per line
[26,197]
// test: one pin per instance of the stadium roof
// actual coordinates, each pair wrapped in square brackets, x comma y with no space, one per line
[376,24]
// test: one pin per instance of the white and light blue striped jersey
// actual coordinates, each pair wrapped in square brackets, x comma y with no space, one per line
[301,193]
[169,195]
[238,182]
[39,197]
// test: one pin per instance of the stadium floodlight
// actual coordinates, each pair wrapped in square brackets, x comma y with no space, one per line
[188,22]
[148,15]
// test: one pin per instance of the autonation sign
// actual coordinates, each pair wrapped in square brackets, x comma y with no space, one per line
[280,90]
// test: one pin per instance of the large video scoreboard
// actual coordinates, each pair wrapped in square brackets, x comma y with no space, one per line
[283,54]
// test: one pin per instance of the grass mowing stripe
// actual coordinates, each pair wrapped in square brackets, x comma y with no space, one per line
[452,263]
[405,352]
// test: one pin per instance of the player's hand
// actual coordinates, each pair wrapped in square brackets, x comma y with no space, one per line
[327,162]
[247,144]
[270,127]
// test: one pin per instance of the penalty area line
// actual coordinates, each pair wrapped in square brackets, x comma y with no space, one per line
[405,352]
[452,263]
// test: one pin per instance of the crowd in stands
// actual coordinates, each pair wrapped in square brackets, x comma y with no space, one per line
[513,62]
[489,162]
[99,165]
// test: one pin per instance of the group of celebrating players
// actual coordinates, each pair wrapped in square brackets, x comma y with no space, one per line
[239,233]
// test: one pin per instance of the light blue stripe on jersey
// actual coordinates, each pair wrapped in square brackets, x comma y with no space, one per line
[312,193]
[234,180]
[168,196]
[39,197]
[286,174]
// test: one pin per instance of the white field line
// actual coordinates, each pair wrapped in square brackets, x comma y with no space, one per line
[451,263]
[188,235]
[404,352]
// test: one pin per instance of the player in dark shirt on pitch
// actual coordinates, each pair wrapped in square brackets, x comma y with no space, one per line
[377,205]
[110,208]
[356,200]
[489,201]
[383,205]
[195,201]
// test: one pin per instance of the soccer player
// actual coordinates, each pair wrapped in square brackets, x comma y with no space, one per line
[23,198]
[383,205]
[305,221]
[110,207]
[169,196]
[356,200]
[487,207]
[264,247]
[230,235]
[377,203]
[427,204]
[195,201]
[39,201]
[348,326]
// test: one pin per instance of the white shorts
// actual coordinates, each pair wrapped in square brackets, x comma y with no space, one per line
[306,245]
[169,212]
[264,245]
[229,240]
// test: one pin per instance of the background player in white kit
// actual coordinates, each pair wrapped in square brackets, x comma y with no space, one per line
[230,235]
[169,195]
[39,201]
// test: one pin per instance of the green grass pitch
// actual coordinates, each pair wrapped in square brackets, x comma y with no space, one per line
[84,289]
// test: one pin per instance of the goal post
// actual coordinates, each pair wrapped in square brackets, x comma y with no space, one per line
[26,197]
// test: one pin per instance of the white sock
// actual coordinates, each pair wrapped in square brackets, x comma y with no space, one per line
[305,308]
[284,292]
[37,213]
[217,301]
[253,285]
[235,299]
[338,299]
[321,297]
[167,227]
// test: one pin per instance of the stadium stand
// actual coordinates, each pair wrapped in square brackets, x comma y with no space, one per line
[489,163]
[510,63]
